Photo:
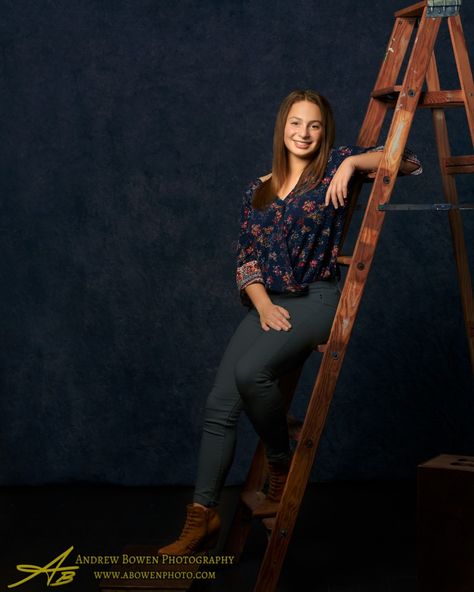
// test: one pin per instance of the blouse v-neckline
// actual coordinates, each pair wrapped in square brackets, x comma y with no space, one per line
[288,195]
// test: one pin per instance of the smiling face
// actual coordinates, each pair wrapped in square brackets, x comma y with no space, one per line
[303,130]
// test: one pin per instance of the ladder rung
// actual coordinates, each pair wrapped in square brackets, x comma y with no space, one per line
[388,93]
[410,11]
[434,207]
[253,500]
[459,165]
[441,99]
[344,259]
[428,99]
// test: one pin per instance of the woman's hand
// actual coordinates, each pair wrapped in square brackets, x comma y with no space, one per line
[272,316]
[275,317]
[337,190]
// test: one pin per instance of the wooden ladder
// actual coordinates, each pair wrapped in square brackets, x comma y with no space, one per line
[424,18]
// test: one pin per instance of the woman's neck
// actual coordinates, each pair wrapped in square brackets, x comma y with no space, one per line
[295,166]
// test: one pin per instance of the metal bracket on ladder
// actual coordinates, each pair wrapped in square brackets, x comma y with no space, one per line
[442,8]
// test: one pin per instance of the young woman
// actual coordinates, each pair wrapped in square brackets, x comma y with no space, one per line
[290,228]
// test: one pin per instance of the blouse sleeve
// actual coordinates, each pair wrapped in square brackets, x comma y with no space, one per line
[408,155]
[248,270]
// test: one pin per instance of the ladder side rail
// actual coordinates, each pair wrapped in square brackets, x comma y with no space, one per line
[387,77]
[347,309]
[375,115]
[461,57]
[455,221]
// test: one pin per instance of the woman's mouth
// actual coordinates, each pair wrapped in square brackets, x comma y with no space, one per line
[299,144]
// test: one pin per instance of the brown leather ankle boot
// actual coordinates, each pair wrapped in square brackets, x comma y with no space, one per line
[268,506]
[278,474]
[200,532]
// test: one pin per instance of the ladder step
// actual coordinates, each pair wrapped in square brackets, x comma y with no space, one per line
[344,259]
[255,502]
[459,165]
[441,98]
[411,11]
[387,94]
[428,99]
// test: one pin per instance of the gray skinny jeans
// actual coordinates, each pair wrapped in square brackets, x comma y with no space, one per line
[247,378]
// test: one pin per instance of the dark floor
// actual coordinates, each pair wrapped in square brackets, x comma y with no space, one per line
[349,537]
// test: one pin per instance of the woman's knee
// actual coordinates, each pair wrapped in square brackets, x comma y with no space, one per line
[221,410]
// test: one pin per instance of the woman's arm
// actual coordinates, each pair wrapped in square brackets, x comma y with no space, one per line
[249,275]
[368,161]
[248,270]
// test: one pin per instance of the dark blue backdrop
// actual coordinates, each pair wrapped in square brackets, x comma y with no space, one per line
[129,130]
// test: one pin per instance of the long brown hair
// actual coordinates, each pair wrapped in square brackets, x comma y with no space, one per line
[314,170]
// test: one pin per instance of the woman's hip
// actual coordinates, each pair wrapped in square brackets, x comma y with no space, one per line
[324,292]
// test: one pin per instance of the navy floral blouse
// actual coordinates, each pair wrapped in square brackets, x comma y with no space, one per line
[294,241]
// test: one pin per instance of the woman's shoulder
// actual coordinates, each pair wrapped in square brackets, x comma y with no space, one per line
[254,183]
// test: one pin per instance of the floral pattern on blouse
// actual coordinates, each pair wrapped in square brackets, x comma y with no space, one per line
[295,241]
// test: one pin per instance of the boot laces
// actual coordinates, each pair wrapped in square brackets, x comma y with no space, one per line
[192,520]
[276,484]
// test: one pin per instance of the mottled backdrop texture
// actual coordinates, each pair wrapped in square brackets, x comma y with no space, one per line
[129,130]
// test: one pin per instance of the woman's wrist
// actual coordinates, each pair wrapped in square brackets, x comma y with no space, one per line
[258,295]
